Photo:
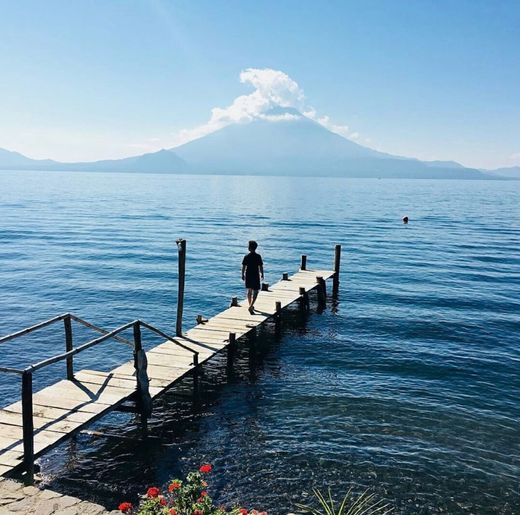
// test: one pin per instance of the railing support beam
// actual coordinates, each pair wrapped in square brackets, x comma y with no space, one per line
[28,425]
[181,246]
[67,322]
[144,401]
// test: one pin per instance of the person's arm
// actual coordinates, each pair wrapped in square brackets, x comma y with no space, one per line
[243,271]
[261,267]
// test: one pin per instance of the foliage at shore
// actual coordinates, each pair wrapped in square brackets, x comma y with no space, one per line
[189,497]
[365,504]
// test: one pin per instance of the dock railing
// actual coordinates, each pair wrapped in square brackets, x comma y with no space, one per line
[140,365]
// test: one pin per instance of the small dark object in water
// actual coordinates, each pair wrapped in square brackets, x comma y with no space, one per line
[405,219]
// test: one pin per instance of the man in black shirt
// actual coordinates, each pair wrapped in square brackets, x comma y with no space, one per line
[252,271]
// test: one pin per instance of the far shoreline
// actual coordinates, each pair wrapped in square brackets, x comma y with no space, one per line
[234,174]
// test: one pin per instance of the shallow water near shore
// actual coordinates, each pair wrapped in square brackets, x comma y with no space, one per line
[408,384]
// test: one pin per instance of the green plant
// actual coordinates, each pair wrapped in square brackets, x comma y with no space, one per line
[189,497]
[365,504]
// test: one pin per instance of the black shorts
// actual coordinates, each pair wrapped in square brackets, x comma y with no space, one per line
[253,282]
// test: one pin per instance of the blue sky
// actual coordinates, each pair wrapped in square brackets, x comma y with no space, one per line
[433,79]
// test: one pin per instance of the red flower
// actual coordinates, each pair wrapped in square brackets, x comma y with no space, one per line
[174,485]
[125,507]
[197,512]
[173,512]
[162,501]
[205,468]
[203,483]
[243,511]
[153,491]
[202,495]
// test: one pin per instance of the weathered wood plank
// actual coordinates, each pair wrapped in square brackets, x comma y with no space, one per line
[129,383]
[157,372]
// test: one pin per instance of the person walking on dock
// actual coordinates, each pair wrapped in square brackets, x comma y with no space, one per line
[252,271]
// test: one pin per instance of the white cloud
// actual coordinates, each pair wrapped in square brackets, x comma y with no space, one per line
[279,117]
[272,88]
[342,130]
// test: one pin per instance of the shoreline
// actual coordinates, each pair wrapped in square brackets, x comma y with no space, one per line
[15,497]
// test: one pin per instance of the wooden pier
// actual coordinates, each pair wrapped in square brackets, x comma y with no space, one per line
[41,420]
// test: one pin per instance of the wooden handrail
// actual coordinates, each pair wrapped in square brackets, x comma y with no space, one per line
[28,330]
[10,370]
[169,338]
[76,350]
[99,330]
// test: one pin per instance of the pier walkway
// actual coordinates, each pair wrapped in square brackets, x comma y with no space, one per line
[41,420]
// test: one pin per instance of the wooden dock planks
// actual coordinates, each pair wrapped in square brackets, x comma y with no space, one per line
[67,406]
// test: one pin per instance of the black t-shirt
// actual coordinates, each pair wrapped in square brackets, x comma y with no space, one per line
[252,261]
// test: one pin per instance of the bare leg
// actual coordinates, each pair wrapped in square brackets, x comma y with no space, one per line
[255,295]
[249,296]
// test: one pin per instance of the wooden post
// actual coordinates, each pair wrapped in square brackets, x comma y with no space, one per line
[143,383]
[278,319]
[231,348]
[303,297]
[265,286]
[322,290]
[232,340]
[303,265]
[181,247]
[337,263]
[28,425]
[285,276]
[67,322]
[234,302]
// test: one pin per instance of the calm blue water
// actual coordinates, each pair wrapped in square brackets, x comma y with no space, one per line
[408,385]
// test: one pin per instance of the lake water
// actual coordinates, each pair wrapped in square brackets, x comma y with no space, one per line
[409,384]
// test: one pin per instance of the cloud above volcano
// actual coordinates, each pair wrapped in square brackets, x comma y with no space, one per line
[272,89]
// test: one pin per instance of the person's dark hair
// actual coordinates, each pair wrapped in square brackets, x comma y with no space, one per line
[252,245]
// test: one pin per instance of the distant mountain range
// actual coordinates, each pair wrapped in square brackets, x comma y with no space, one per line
[513,172]
[283,142]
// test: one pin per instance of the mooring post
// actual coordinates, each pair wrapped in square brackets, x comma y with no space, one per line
[231,348]
[265,286]
[234,302]
[304,298]
[303,265]
[337,263]
[196,368]
[67,322]
[285,276]
[181,247]
[322,290]
[28,425]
